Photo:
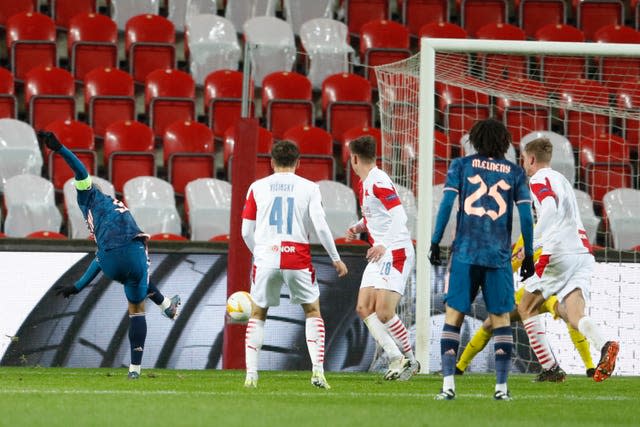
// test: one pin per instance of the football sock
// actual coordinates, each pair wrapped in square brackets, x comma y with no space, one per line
[475,346]
[503,345]
[589,329]
[538,341]
[382,337]
[156,296]
[400,336]
[253,343]
[137,336]
[314,331]
[582,345]
[449,343]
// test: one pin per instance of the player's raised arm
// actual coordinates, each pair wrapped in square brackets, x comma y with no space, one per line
[317,215]
[83,180]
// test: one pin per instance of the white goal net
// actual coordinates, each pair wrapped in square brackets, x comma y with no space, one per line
[586,99]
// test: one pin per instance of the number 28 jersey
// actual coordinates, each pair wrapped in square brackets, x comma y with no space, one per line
[284,207]
[487,190]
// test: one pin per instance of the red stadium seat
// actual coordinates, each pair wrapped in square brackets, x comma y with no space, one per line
[188,153]
[594,14]
[223,99]
[286,101]
[64,10]
[316,152]
[352,179]
[128,152]
[382,42]
[556,69]
[31,41]
[8,102]
[220,238]
[92,42]
[605,164]
[502,66]
[77,137]
[109,97]
[346,102]
[149,44]
[519,117]
[167,237]
[359,12]
[49,95]
[460,109]
[535,14]
[477,13]
[416,13]
[46,235]
[575,95]
[628,98]
[447,30]
[14,7]
[263,161]
[614,71]
[169,96]
[343,241]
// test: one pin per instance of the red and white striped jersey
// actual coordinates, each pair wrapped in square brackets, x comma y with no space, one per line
[277,216]
[559,228]
[382,211]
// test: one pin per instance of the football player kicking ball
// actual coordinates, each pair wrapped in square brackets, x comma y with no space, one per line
[390,259]
[488,186]
[122,253]
[564,269]
[483,334]
[278,215]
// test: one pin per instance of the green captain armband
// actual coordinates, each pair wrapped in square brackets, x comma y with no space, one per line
[84,184]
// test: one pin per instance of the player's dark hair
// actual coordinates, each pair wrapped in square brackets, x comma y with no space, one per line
[541,149]
[490,138]
[285,153]
[364,147]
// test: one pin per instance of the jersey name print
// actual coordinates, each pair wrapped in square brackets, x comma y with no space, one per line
[488,189]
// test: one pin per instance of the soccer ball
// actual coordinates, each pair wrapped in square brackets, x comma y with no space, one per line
[239,306]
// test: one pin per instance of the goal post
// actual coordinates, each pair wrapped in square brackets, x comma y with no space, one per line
[414,116]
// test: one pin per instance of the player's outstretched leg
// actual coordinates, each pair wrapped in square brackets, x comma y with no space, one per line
[252,345]
[607,362]
[168,306]
[137,337]
[400,336]
[581,344]
[314,332]
[449,343]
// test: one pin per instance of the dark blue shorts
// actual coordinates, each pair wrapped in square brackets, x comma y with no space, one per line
[129,265]
[466,279]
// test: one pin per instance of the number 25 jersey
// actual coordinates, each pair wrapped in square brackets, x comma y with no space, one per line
[487,190]
[285,206]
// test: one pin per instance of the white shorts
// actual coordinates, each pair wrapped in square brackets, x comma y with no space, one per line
[560,274]
[391,272]
[267,283]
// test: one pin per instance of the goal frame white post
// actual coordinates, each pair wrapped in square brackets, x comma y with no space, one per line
[426,126]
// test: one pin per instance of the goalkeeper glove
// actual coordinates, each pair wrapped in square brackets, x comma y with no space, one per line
[66,290]
[528,268]
[50,140]
[434,254]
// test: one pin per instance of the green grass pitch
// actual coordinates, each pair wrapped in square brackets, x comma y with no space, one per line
[104,397]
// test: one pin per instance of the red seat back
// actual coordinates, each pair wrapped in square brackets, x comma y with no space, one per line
[359,12]
[519,117]
[556,69]
[477,13]
[31,41]
[535,14]
[575,95]
[223,99]
[263,161]
[92,42]
[49,95]
[8,104]
[615,70]
[628,98]
[316,152]
[64,10]
[188,153]
[169,96]
[416,13]
[77,137]
[595,14]
[149,44]
[346,102]
[14,7]
[128,152]
[286,101]
[503,66]
[382,42]
[605,164]
[109,97]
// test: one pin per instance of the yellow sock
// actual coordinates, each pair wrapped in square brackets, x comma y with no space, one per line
[582,345]
[475,346]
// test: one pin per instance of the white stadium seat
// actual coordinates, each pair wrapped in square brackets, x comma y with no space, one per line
[325,41]
[340,207]
[273,46]
[240,11]
[31,206]
[590,221]
[408,200]
[123,10]
[623,213]
[19,150]
[209,202]
[152,203]
[562,158]
[297,12]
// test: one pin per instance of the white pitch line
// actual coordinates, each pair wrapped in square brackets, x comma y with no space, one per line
[319,393]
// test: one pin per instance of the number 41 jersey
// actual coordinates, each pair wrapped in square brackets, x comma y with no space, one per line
[487,190]
[284,206]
